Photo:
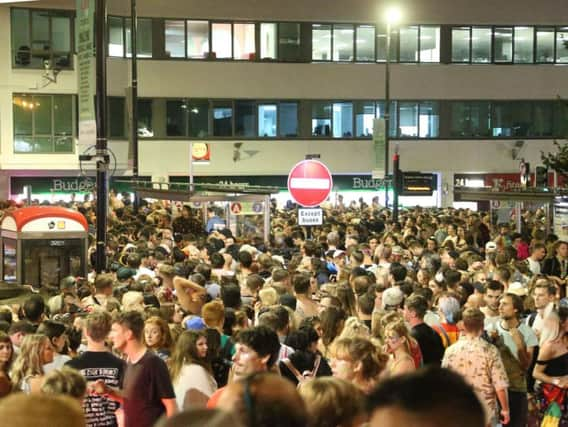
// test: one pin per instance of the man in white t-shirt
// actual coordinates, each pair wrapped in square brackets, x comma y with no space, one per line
[538,252]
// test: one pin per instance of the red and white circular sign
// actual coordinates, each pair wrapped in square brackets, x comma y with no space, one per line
[309,183]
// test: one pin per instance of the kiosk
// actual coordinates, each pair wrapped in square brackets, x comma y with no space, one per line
[42,244]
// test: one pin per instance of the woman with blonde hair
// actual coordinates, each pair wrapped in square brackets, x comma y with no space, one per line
[323,396]
[358,361]
[397,341]
[354,328]
[190,371]
[27,370]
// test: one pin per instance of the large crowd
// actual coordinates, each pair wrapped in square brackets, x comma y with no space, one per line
[441,318]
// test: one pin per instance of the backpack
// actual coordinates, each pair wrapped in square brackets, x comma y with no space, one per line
[306,376]
[222,364]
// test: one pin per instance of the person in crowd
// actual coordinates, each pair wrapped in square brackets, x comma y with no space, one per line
[430,343]
[449,311]
[40,409]
[534,261]
[97,363]
[481,366]
[430,397]
[157,336]
[57,334]
[358,360]
[323,396]
[397,344]
[18,330]
[493,292]
[556,266]
[332,321]
[190,370]
[27,370]
[66,381]
[6,358]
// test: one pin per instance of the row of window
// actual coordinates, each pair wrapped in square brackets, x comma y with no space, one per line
[48,123]
[203,118]
[39,35]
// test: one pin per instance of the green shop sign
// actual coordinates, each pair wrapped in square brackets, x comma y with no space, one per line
[78,184]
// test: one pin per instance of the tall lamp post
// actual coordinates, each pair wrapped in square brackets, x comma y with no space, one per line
[392,17]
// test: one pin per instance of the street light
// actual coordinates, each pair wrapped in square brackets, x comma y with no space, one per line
[392,17]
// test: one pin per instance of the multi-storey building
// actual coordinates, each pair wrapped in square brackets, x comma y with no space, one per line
[475,86]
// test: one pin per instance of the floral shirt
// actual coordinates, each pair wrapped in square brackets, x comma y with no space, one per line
[481,366]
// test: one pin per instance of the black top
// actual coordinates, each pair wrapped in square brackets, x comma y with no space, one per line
[100,365]
[304,361]
[146,383]
[430,344]
[557,367]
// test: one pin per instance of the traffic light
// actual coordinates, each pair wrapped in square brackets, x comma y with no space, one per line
[541,177]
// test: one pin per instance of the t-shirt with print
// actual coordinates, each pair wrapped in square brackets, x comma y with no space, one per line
[146,383]
[100,365]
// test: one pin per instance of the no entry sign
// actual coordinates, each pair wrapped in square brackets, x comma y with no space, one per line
[309,183]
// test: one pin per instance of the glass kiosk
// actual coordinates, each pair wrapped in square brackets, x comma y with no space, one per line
[43,244]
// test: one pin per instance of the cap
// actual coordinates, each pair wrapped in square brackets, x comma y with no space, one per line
[195,323]
[490,247]
[213,290]
[517,288]
[392,298]
[125,273]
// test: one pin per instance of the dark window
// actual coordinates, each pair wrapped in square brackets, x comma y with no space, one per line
[469,119]
[289,48]
[177,112]
[117,117]
[222,119]
[288,119]
[198,115]
[321,118]
[145,128]
[245,118]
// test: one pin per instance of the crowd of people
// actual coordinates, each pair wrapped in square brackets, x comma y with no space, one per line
[438,319]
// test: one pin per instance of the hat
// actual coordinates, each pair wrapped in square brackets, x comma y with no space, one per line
[396,250]
[213,290]
[195,323]
[490,247]
[392,298]
[338,252]
[517,288]
[125,273]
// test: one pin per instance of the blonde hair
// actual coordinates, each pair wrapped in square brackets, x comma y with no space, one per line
[29,362]
[133,301]
[354,328]
[65,381]
[373,360]
[323,396]
[399,328]
[24,410]
[268,296]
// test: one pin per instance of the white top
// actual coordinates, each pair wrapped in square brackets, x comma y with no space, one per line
[193,376]
[59,360]
[534,266]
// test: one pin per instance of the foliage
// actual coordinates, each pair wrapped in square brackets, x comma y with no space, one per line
[557,161]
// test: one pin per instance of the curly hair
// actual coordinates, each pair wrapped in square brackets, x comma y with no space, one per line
[29,361]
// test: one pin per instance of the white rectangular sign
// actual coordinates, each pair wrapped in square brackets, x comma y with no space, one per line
[310,216]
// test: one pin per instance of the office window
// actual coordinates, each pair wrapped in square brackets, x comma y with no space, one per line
[470,119]
[321,42]
[511,119]
[321,118]
[39,36]
[221,40]
[44,123]
[503,44]
[543,118]
[545,45]
[222,119]
[524,45]
[343,120]
[408,117]
[408,44]
[116,117]
[429,43]
[175,38]
[382,44]
[197,39]
[364,116]
[176,117]
[115,36]
[560,119]
[198,119]
[245,118]
[268,44]
[562,45]
[288,119]
[244,45]
[365,43]
[145,128]
[428,120]
[289,42]
[393,122]
[267,120]
[480,45]
[143,38]
[461,44]
[343,42]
